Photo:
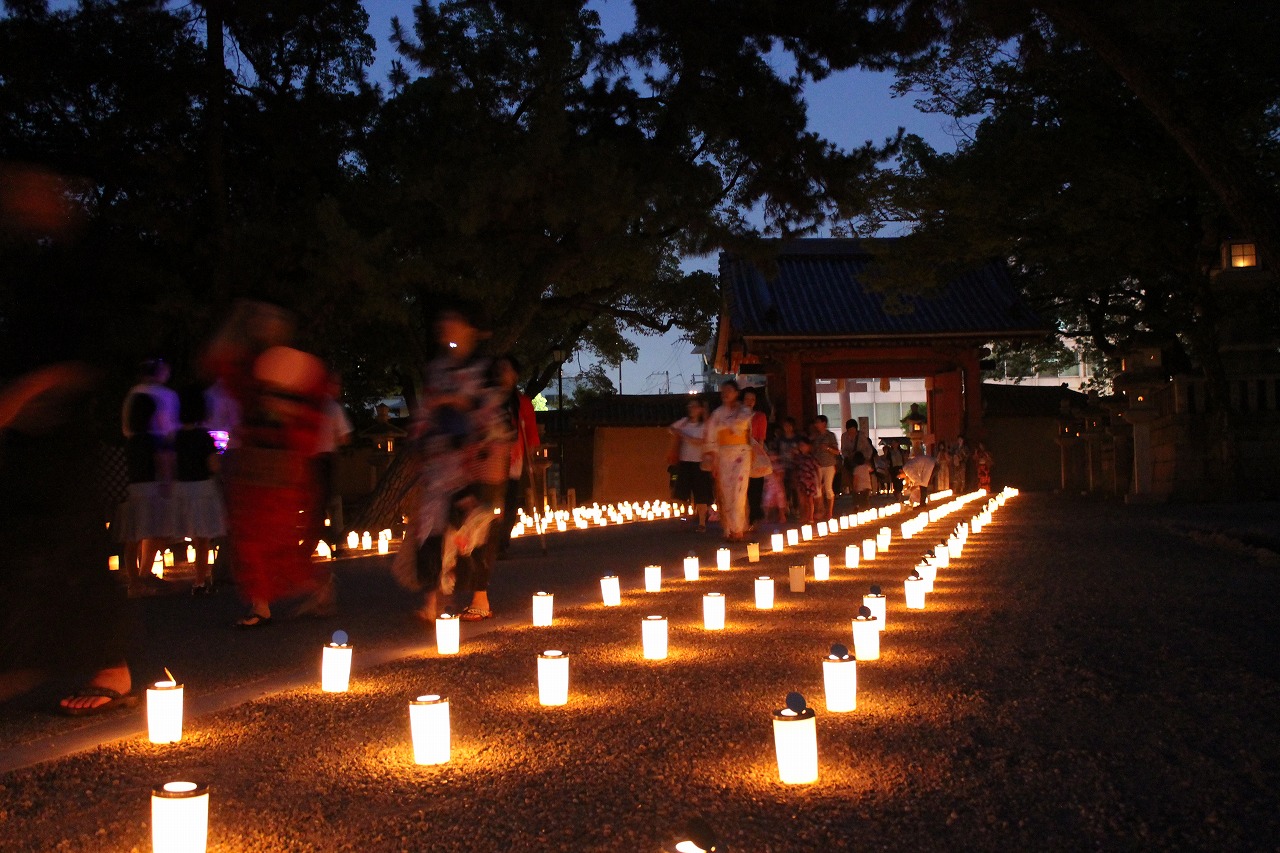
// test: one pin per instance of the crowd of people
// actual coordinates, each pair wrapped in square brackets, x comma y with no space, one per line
[755,471]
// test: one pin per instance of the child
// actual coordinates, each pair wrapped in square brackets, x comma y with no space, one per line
[808,476]
[197,503]
[775,490]
[861,473]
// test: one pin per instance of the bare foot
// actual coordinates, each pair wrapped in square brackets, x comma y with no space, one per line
[115,678]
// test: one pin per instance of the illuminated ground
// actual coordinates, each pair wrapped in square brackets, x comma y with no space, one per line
[1086,677]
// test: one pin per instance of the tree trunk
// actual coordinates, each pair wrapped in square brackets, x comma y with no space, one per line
[215,144]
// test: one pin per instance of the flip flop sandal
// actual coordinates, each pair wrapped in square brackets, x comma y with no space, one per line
[117,700]
[253,620]
[474,614]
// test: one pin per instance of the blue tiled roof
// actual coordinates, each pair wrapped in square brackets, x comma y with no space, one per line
[817,290]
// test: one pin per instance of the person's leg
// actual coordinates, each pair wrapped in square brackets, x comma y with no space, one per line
[510,502]
[755,500]
[201,545]
[827,497]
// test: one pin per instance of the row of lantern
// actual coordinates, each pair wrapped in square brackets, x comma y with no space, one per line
[180,809]
[596,515]
[166,559]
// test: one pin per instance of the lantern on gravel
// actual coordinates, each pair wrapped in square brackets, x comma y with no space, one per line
[448,630]
[723,559]
[795,740]
[429,725]
[844,522]
[180,817]
[868,549]
[840,679]
[713,611]
[164,711]
[874,601]
[851,556]
[954,547]
[753,552]
[653,578]
[543,609]
[883,538]
[793,537]
[653,635]
[822,529]
[353,540]
[941,556]
[928,571]
[553,677]
[866,635]
[914,588]
[610,591]
[821,567]
[796,576]
[806,532]
[335,664]
[366,541]
[764,593]
[691,568]
[775,542]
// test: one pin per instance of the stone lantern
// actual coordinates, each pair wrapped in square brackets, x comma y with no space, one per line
[1141,378]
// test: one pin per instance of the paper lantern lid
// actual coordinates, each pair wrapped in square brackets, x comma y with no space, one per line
[796,708]
[839,651]
[340,638]
[864,613]
[875,589]
[180,790]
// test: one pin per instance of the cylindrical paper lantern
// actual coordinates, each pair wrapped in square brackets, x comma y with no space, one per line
[610,591]
[840,679]
[775,542]
[875,602]
[653,631]
[429,725]
[883,540]
[793,537]
[796,576]
[553,677]
[164,711]
[353,540]
[928,571]
[866,635]
[795,740]
[764,593]
[806,532]
[821,567]
[335,664]
[723,559]
[822,529]
[851,556]
[543,609]
[180,817]
[753,552]
[691,568]
[868,549]
[914,588]
[447,633]
[652,578]
[713,611]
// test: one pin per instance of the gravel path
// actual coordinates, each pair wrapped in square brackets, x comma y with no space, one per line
[1082,679]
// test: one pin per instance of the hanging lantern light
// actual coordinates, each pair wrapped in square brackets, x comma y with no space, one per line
[764,593]
[335,664]
[164,711]
[793,537]
[851,556]
[821,567]
[875,602]
[429,726]
[796,576]
[775,542]
[553,677]
[713,611]
[753,552]
[840,679]
[866,635]
[653,635]
[691,568]
[723,559]
[543,609]
[180,817]
[914,588]
[795,740]
[653,578]
[448,633]
[610,591]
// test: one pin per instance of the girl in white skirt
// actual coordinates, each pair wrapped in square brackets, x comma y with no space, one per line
[143,519]
[197,501]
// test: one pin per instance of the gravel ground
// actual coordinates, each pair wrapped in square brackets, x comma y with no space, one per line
[1083,678]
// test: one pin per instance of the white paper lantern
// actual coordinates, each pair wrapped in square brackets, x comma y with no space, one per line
[775,542]
[553,677]
[795,740]
[806,532]
[164,711]
[928,572]
[753,552]
[713,611]
[821,567]
[353,540]
[429,726]
[866,635]
[954,548]
[793,537]
[883,539]
[844,522]
[868,549]
[796,576]
[653,578]
[543,609]
[822,529]
[448,633]
[366,541]
[840,680]
[335,664]
[914,588]
[610,591]
[691,568]
[653,634]
[723,559]
[851,556]
[875,602]
[764,593]
[180,817]
[941,556]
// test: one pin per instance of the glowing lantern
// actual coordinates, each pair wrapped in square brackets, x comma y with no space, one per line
[806,532]
[191,554]
[713,611]
[775,542]
[164,711]
[553,677]
[795,740]
[180,817]
[543,609]
[610,591]
[954,548]
[168,559]
[844,522]
[883,539]
[793,537]
[652,578]
[914,587]
[840,679]
[384,545]
[335,664]
[113,562]
[875,602]
[822,529]
[429,726]
[723,559]
[928,572]
[366,541]
[764,593]
[868,549]
[753,552]
[696,837]
[323,551]
[851,556]
[213,556]
[941,556]
[653,634]
[796,576]
[866,635]
[691,568]
[157,566]
[821,567]
[448,634]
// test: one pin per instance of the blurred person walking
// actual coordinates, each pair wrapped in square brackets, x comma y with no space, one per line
[759,431]
[727,452]
[826,450]
[693,483]
[144,519]
[519,413]
[197,509]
